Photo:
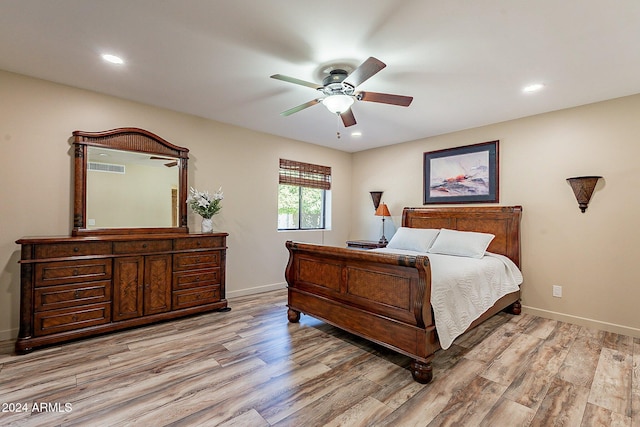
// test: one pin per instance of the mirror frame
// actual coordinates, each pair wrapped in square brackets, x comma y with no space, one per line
[125,139]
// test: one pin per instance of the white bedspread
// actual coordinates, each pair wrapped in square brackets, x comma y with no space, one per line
[464,288]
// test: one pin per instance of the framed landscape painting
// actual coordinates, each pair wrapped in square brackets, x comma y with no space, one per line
[466,174]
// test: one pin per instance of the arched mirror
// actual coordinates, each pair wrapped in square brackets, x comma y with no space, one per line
[128,180]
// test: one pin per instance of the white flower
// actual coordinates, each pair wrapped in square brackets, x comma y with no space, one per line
[204,204]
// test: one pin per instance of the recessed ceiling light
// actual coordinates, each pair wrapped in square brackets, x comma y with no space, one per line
[112,58]
[356,134]
[532,88]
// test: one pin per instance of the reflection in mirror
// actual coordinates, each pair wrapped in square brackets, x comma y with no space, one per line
[129,189]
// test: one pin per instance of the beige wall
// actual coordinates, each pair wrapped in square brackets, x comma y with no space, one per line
[37,119]
[593,255]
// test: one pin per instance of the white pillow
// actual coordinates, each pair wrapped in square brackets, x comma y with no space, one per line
[461,243]
[413,239]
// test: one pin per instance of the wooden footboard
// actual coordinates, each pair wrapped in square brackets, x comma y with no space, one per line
[383,298]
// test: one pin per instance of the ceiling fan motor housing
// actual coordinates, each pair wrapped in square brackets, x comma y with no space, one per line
[333,83]
[335,76]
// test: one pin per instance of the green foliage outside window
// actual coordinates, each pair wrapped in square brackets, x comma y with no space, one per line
[300,207]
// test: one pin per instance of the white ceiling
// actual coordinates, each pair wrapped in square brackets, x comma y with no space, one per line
[464,62]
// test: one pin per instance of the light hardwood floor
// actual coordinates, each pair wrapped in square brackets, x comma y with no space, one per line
[250,367]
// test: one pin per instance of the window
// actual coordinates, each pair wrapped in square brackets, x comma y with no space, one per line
[302,195]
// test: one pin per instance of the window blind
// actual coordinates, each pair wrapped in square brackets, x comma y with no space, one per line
[305,174]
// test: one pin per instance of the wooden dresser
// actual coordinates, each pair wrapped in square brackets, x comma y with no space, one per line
[74,287]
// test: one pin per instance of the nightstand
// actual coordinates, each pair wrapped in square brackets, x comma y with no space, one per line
[365,244]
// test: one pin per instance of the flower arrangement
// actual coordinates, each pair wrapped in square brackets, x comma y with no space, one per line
[204,204]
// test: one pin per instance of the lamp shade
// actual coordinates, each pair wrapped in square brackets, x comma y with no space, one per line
[338,104]
[383,210]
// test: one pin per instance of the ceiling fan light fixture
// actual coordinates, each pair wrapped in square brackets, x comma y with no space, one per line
[338,104]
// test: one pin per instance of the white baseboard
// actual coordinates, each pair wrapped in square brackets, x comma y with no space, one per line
[256,290]
[583,321]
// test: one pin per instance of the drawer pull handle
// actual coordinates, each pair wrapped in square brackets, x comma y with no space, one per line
[197,278]
[76,272]
[198,243]
[144,245]
[76,249]
[74,318]
[77,294]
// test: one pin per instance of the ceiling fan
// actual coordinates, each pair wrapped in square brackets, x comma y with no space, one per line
[339,90]
[171,163]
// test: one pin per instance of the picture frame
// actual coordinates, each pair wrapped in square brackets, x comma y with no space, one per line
[467,174]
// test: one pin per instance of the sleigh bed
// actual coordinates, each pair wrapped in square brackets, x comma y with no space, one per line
[386,297]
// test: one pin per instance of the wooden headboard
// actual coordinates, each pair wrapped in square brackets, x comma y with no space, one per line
[502,221]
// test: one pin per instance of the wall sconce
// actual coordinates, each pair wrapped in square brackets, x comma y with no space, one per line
[583,187]
[383,211]
[375,197]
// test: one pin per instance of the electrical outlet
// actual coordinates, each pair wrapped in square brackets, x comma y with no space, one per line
[557,291]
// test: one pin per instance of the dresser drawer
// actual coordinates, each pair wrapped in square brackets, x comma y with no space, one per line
[196,260]
[62,296]
[67,319]
[59,250]
[61,272]
[196,278]
[196,296]
[141,246]
[199,243]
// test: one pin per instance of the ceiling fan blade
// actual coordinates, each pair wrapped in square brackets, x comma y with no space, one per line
[300,107]
[159,158]
[367,69]
[296,81]
[171,164]
[348,119]
[385,98]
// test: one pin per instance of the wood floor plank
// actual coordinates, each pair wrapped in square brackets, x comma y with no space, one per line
[622,343]
[338,401]
[363,413]
[564,405]
[531,386]
[611,388]
[513,360]
[494,344]
[471,404]
[541,327]
[478,334]
[508,412]
[217,401]
[251,367]
[249,418]
[581,362]
[427,404]
[598,416]
[313,390]
[562,336]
